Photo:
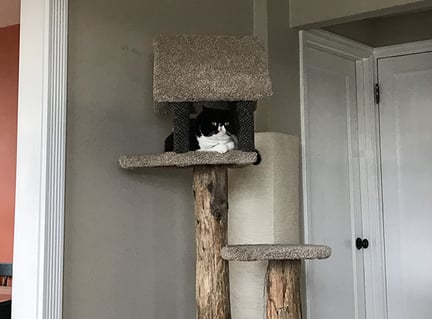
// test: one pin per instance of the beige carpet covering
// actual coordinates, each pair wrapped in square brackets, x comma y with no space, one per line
[191,68]
[275,252]
[170,159]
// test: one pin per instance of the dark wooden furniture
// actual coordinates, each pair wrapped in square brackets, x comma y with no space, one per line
[5,292]
[5,273]
[5,309]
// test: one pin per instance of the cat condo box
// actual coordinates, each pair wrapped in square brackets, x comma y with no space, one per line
[215,72]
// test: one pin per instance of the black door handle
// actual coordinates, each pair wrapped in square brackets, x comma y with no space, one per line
[362,243]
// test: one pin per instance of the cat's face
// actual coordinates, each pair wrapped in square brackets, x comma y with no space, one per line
[213,121]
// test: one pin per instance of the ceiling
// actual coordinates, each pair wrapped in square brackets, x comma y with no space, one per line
[9,12]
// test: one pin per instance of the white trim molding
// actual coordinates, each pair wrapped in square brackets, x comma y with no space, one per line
[337,45]
[39,214]
[370,189]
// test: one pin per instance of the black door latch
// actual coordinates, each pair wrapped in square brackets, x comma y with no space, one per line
[362,243]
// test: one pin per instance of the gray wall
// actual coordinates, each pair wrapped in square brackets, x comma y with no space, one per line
[261,31]
[283,42]
[281,112]
[129,235]
[402,29]
[359,30]
[307,13]
[390,30]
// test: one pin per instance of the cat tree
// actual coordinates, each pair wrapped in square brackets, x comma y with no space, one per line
[222,72]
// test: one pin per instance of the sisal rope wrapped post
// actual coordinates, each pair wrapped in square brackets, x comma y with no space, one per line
[211,213]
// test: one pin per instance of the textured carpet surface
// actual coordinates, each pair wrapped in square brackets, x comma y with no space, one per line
[170,159]
[209,68]
[275,252]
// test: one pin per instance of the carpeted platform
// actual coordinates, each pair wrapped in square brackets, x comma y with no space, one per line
[194,68]
[275,252]
[171,159]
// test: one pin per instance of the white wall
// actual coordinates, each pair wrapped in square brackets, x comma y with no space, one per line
[130,250]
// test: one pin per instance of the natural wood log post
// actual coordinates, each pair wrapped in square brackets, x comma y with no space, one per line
[283,290]
[211,212]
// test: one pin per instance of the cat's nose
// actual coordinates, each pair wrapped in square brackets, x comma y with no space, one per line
[222,129]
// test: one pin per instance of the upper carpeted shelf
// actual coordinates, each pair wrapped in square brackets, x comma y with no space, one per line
[199,68]
[188,159]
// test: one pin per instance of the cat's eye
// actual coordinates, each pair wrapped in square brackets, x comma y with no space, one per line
[226,123]
[214,124]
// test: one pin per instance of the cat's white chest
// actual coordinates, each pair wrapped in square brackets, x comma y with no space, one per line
[220,143]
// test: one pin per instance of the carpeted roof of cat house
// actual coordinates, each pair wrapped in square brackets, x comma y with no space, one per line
[196,68]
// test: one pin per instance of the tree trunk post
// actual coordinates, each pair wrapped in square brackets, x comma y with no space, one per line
[211,213]
[283,290]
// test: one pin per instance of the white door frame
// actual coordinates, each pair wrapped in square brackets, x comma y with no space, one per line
[39,214]
[368,144]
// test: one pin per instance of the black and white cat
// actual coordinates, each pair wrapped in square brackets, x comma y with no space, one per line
[213,130]
[216,131]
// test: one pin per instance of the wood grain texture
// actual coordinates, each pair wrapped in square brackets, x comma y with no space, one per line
[211,212]
[283,290]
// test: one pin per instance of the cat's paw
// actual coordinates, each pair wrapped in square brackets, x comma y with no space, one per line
[230,146]
[220,148]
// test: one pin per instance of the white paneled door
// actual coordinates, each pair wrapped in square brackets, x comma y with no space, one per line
[406,151]
[335,287]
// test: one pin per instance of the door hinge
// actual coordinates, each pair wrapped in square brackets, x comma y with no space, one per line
[377,93]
